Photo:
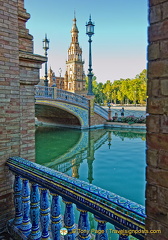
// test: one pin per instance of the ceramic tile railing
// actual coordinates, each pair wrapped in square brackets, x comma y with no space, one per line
[36,218]
[44,92]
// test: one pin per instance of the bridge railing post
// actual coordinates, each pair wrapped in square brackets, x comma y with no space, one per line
[55,92]
[90,109]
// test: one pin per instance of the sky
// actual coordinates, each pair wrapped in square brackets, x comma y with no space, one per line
[119,44]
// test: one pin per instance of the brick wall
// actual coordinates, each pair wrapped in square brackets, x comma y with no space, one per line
[19,72]
[10,102]
[157,121]
[96,120]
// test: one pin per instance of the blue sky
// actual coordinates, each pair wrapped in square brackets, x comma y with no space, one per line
[119,44]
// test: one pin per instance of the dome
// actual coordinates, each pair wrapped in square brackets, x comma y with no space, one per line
[74,27]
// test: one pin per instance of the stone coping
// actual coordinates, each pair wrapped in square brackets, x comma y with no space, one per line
[107,124]
[125,125]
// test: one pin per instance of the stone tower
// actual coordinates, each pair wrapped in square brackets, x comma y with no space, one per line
[74,80]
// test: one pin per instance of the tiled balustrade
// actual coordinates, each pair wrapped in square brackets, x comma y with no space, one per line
[37,218]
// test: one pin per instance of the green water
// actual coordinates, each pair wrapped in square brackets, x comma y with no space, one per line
[111,159]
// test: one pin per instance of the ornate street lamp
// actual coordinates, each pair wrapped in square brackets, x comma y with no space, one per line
[90,32]
[60,71]
[109,111]
[46,47]
[61,83]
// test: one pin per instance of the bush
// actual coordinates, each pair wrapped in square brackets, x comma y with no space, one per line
[129,119]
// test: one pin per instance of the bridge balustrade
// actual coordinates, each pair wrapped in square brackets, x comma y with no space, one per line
[72,97]
[101,111]
[33,186]
[59,94]
[44,92]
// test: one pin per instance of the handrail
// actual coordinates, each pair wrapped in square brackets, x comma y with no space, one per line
[108,206]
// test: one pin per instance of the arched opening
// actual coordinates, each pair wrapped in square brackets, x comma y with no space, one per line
[57,116]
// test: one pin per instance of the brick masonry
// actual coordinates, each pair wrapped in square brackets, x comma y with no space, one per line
[18,66]
[19,73]
[157,121]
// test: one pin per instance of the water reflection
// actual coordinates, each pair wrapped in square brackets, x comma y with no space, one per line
[111,159]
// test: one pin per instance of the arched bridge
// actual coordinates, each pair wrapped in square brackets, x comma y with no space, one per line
[65,108]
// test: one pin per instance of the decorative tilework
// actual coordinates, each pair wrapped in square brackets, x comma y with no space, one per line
[100,202]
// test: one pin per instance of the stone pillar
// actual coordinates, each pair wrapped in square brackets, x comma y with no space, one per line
[29,65]
[157,121]
[17,58]
[90,109]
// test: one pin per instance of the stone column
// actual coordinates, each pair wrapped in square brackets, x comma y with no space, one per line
[29,65]
[90,109]
[157,121]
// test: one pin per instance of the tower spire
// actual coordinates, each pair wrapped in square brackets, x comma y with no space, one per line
[75,77]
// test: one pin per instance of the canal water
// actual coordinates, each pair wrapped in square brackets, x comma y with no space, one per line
[111,159]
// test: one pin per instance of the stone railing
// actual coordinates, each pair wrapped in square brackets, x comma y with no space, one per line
[32,186]
[101,111]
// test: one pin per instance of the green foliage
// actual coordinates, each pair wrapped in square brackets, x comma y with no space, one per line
[129,119]
[122,91]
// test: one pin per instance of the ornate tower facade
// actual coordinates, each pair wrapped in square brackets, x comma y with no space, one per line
[74,80]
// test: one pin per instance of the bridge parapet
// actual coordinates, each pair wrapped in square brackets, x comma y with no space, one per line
[72,97]
[101,111]
[59,94]
[44,92]
[105,205]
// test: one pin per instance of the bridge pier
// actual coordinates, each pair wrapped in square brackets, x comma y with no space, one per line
[94,119]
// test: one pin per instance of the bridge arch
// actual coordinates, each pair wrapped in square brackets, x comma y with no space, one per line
[61,113]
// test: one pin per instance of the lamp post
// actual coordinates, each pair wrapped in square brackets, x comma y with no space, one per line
[61,84]
[109,111]
[46,47]
[60,71]
[90,32]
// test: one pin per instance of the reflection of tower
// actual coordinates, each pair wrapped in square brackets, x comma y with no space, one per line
[75,168]
[74,76]
[90,156]
[109,139]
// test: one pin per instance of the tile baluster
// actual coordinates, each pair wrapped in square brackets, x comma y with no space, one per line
[83,225]
[26,224]
[18,200]
[55,217]
[101,233]
[44,213]
[122,236]
[35,212]
[69,220]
